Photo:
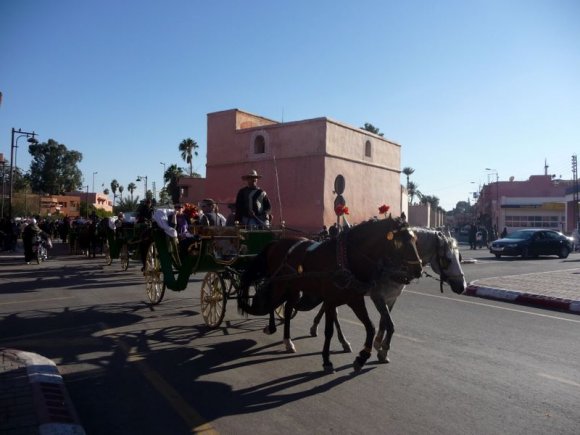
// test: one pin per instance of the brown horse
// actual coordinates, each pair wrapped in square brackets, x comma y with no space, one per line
[337,271]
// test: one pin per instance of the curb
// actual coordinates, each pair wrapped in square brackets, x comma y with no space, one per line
[54,410]
[553,303]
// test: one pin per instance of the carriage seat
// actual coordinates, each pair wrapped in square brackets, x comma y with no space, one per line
[223,242]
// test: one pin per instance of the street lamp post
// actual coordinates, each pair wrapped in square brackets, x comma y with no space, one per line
[96,172]
[163,173]
[3,163]
[143,178]
[13,148]
[491,172]
[87,201]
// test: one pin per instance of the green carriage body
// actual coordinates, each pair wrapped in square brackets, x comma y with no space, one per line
[213,249]
[222,253]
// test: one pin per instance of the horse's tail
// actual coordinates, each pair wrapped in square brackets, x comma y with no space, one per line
[256,271]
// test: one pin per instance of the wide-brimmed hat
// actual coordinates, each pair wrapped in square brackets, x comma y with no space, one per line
[207,201]
[253,174]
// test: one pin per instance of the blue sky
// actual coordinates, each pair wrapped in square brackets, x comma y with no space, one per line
[461,85]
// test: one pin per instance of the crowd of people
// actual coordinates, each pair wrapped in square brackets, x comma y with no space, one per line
[252,208]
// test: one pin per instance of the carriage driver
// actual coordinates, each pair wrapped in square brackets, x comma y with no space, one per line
[252,204]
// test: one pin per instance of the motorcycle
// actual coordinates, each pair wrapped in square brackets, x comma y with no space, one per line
[40,249]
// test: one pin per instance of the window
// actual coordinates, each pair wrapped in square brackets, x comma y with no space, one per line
[368,149]
[259,145]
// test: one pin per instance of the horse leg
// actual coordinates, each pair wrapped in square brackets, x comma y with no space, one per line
[386,325]
[288,308]
[345,344]
[271,327]
[328,332]
[316,321]
[359,308]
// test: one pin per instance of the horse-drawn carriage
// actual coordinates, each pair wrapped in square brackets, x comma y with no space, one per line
[221,252]
[121,241]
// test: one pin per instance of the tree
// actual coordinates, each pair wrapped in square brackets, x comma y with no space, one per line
[371,128]
[413,191]
[408,171]
[121,188]
[171,177]
[132,187]
[188,148]
[53,169]
[114,187]
[106,191]
[128,204]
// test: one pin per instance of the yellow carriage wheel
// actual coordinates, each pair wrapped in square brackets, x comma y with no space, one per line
[213,299]
[155,286]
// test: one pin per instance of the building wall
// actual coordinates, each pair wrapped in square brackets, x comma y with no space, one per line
[299,163]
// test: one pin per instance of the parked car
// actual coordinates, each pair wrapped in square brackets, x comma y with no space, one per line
[533,242]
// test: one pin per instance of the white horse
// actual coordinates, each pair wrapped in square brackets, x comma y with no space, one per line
[442,254]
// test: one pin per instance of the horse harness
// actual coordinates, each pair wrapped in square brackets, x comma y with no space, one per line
[343,277]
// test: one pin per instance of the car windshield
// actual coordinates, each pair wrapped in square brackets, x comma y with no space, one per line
[520,235]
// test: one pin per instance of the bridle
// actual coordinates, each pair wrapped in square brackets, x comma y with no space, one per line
[442,246]
[397,272]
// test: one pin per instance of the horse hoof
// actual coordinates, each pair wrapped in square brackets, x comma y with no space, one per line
[290,346]
[269,331]
[357,365]
[328,368]
[314,331]
[346,347]
[383,358]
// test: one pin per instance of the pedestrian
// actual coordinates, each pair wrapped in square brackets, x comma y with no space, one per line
[472,236]
[29,235]
[504,233]
[252,204]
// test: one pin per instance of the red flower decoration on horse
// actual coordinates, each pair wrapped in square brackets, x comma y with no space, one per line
[341,209]
[383,209]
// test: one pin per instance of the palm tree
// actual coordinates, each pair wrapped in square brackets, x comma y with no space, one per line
[114,187]
[121,188]
[408,171]
[106,191]
[171,177]
[132,187]
[188,148]
[413,191]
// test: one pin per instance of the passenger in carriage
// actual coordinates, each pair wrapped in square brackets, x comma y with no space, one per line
[211,216]
[179,221]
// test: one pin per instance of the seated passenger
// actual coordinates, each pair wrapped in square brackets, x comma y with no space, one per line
[211,216]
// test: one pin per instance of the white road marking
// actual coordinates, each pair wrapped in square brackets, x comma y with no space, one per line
[492,306]
[559,379]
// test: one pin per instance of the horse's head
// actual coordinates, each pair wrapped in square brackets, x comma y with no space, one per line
[447,263]
[389,244]
[402,252]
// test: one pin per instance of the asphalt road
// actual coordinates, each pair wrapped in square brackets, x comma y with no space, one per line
[459,365]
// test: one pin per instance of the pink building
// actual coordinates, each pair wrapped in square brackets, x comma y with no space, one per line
[299,162]
[539,202]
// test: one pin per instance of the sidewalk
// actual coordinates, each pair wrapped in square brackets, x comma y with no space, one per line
[33,398]
[558,290]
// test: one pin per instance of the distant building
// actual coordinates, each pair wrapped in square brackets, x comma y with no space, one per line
[539,202]
[299,162]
